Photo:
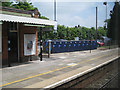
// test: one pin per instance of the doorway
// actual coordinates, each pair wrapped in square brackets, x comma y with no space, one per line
[12,43]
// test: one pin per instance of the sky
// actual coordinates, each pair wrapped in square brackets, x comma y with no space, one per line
[75,12]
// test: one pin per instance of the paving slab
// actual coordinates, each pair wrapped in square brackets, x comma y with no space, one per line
[59,66]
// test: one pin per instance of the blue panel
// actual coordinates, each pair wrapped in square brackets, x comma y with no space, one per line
[70,46]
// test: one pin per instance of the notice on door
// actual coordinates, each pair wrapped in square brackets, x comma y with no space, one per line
[29,44]
[0,38]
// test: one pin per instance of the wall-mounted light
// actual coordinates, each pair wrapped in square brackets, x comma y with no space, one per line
[33,14]
[111,12]
[1,23]
[55,28]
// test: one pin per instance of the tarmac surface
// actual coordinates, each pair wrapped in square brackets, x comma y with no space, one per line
[57,68]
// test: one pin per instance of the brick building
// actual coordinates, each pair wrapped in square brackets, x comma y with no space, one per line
[18,34]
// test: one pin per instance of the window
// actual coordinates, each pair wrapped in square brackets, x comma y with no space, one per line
[12,27]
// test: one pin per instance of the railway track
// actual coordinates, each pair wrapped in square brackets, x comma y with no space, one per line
[110,70]
[107,84]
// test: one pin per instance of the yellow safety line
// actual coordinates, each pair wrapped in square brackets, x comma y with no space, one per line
[48,72]
[91,59]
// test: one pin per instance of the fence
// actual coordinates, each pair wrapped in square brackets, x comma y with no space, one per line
[70,46]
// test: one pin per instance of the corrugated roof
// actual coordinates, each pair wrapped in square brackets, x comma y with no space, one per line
[21,19]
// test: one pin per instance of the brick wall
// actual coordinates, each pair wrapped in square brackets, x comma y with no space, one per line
[4,43]
[25,30]
[21,31]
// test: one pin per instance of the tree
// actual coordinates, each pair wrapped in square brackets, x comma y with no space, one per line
[23,6]
[62,32]
[101,32]
[27,6]
[6,4]
[43,17]
[113,24]
[22,0]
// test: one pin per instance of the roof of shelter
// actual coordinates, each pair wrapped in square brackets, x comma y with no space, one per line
[14,11]
[22,16]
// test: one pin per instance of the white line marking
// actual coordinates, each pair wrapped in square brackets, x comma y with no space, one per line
[62,57]
[79,74]
[71,64]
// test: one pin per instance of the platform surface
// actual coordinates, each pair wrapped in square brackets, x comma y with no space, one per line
[54,70]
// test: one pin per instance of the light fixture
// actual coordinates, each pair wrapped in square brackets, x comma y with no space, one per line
[33,14]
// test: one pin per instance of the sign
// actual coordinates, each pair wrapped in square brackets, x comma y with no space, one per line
[55,28]
[29,44]
[47,29]
[77,38]
[0,38]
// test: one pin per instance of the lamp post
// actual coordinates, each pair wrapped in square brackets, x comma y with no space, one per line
[55,10]
[90,36]
[96,24]
[41,43]
[105,3]
[55,27]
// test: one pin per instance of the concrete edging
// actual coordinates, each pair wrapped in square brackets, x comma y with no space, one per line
[79,74]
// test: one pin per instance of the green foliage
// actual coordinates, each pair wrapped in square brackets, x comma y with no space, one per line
[43,17]
[114,23]
[22,0]
[29,7]
[101,32]
[23,6]
[19,5]
[6,4]
[69,33]
[63,32]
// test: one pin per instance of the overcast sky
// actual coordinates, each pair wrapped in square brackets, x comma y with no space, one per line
[75,12]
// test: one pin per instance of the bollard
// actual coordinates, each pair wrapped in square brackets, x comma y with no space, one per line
[49,48]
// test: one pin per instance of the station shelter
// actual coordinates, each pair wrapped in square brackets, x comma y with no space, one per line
[18,34]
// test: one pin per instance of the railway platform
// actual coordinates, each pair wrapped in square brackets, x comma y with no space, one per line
[56,70]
